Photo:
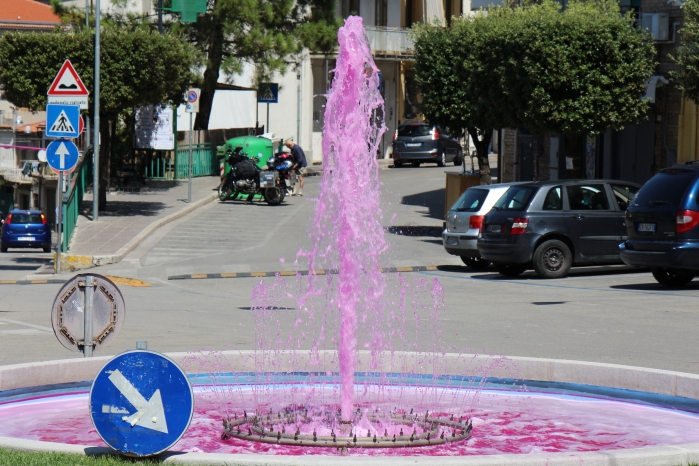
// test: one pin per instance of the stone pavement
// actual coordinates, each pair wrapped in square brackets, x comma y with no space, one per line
[129,216]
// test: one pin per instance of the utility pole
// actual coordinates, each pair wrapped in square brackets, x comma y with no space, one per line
[160,16]
[96,142]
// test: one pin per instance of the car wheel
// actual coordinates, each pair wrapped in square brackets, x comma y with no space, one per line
[3,248]
[442,159]
[397,163]
[511,270]
[552,259]
[47,249]
[459,158]
[475,262]
[673,278]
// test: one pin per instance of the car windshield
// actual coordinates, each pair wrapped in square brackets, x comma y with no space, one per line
[471,200]
[516,198]
[24,219]
[664,189]
[414,130]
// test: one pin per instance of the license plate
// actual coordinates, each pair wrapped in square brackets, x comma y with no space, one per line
[647,227]
[413,144]
[451,241]
[27,238]
[494,228]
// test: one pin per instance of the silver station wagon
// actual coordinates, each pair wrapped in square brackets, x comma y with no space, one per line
[464,220]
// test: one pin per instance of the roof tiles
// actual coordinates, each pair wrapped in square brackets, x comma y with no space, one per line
[27,10]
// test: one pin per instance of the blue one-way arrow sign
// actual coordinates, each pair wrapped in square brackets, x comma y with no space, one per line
[141,403]
[62,155]
[62,121]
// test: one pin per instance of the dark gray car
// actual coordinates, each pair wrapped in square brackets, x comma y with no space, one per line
[418,142]
[553,225]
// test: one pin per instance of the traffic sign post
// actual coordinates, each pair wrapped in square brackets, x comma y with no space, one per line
[88,313]
[62,155]
[67,88]
[192,108]
[141,403]
[62,121]
[268,93]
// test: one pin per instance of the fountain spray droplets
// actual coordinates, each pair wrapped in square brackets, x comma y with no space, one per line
[347,232]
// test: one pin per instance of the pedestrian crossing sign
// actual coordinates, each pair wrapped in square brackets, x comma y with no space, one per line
[268,93]
[62,121]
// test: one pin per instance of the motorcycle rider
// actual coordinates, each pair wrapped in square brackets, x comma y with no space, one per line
[299,163]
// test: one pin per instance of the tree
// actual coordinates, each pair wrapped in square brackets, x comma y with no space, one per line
[687,56]
[138,67]
[260,32]
[580,71]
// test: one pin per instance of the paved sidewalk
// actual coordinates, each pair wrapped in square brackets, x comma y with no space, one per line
[128,214]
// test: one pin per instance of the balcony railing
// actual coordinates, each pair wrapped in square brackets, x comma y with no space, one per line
[389,41]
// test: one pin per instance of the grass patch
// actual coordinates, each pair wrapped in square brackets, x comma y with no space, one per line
[23,458]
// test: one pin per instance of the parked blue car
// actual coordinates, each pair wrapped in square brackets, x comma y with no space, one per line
[26,229]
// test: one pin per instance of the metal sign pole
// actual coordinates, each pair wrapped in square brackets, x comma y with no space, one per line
[189,187]
[96,143]
[87,315]
[267,128]
[59,222]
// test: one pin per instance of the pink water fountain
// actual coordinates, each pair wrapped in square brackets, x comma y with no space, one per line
[354,362]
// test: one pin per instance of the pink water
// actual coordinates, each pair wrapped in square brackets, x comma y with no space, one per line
[504,422]
[347,231]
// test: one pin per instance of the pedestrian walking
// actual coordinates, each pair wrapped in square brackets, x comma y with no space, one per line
[300,164]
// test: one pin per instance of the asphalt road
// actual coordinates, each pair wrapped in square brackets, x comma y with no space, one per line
[611,315]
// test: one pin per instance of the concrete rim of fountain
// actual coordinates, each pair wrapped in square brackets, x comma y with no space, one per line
[657,381]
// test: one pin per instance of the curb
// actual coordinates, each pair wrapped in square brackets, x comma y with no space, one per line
[292,273]
[74,262]
[658,381]
[121,281]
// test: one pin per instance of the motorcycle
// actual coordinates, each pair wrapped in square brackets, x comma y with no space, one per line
[245,177]
[283,163]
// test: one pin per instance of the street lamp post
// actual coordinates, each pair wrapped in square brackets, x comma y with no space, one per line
[96,138]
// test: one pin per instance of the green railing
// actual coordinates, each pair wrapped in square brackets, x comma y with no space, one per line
[72,198]
[160,164]
[204,161]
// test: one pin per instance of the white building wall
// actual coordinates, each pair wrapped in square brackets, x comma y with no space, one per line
[144,7]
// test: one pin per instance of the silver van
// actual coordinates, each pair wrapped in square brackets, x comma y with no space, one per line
[464,221]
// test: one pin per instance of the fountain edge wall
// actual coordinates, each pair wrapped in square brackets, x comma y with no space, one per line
[550,370]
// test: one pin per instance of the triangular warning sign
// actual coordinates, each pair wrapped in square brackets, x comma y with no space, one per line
[67,82]
[62,124]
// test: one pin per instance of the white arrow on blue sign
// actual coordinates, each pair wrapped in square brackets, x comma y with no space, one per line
[62,121]
[141,403]
[62,155]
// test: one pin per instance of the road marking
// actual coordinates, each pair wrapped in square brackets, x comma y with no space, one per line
[127,281]
[290,273]
[24,324]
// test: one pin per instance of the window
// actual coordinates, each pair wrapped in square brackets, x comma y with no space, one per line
[381,18]
[414,130]
[554,200]
[516,198]
[587,197]
[471,200]
[664,189]
[623,194]
[26,219]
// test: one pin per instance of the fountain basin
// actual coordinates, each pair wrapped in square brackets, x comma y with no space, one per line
[22,378]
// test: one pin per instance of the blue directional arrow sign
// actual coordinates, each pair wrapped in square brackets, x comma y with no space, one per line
[62,121]
[62,155]
[141,403]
